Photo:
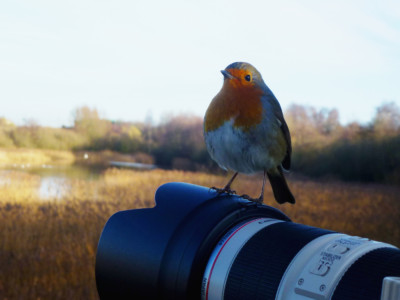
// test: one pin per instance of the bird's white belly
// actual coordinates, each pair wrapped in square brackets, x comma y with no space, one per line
[239,151]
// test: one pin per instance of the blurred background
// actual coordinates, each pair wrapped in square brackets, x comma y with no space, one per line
[100,103]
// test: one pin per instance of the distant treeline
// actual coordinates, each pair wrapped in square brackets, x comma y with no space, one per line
[322,147]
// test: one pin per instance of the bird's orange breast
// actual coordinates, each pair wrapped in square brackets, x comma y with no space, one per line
[235,101]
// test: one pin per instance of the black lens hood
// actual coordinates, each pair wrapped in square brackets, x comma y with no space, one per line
[161,252]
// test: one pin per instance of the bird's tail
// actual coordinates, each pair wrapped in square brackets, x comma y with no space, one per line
[279,186]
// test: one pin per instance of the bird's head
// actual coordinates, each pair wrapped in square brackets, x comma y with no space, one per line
[240,98]
[242,75]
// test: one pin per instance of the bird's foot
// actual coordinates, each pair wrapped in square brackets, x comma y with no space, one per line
[256,200]
[223,190]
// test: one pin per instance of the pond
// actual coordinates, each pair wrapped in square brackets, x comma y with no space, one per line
[53,178]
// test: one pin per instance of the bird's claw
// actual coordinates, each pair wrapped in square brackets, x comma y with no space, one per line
[256,200]
[223,190]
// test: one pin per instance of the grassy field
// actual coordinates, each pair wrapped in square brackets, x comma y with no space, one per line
[48,247]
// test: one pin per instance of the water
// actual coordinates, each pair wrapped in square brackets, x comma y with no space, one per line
[53,178]
[52,187]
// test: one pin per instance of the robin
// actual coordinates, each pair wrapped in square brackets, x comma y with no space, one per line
[245,131]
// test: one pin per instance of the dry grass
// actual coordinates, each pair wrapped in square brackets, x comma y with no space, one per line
[48,248]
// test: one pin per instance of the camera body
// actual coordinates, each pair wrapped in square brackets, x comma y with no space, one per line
[196,244]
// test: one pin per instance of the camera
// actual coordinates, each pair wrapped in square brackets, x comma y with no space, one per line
[198,244]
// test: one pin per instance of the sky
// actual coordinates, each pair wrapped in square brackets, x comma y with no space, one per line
[144,60]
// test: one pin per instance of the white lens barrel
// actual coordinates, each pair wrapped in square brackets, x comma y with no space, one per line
[217,270]
[292,262]
[317,269]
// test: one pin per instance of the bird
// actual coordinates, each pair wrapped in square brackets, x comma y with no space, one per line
[245,131]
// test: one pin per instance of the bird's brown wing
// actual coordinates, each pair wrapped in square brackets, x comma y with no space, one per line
[286,134]
[285,129]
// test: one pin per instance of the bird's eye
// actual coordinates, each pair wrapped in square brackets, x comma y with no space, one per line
[247,77]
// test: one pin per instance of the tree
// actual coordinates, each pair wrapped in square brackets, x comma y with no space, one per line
[88,122]
[387,120]
[180,137]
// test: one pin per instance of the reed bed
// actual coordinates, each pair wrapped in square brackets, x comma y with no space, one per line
[48,246]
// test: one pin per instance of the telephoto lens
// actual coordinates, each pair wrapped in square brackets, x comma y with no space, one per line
[197,244]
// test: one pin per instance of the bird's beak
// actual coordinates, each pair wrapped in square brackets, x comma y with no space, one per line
[226,74]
